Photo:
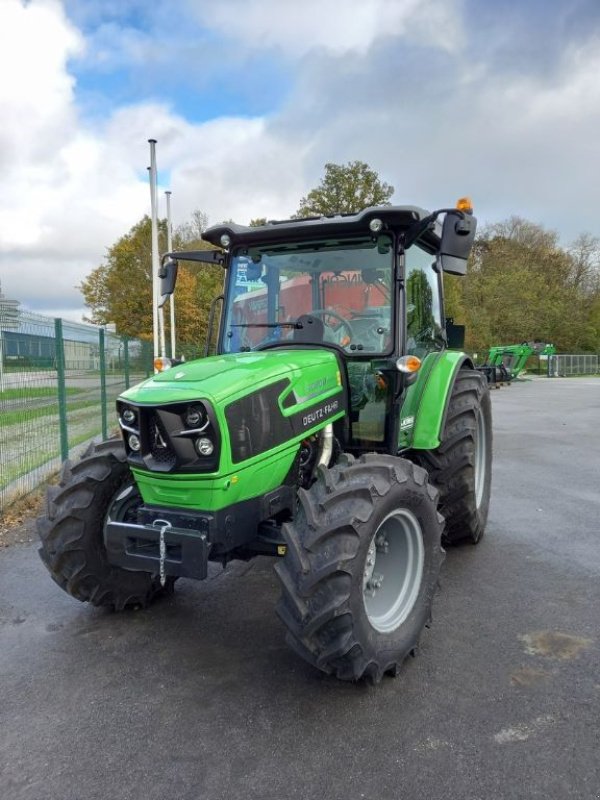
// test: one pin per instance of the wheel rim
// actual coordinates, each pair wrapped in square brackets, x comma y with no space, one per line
[123,505]
[480,458]
[393,571]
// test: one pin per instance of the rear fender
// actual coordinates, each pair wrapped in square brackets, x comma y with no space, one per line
[423,413]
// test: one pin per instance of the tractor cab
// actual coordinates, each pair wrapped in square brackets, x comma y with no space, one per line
[349,280]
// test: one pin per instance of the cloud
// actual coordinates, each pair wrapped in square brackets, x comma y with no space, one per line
[35,91]
[441,126]
[299,28]
[66,193]
[71,190]
[231,167]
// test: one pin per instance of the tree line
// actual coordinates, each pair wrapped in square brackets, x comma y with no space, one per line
[521,283]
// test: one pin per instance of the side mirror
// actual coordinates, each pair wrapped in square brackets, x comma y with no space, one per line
[168,279]
[455,335]
[458,235]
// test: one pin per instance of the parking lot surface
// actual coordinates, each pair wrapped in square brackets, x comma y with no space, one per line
[199,697]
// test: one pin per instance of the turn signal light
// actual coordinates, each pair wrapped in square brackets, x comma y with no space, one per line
[408,364]
[161,363]
[465,204]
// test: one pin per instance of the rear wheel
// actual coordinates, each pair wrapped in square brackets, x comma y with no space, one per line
[461,467]
[92,491]
[361,568]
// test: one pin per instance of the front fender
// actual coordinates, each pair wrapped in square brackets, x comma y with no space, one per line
[423,412]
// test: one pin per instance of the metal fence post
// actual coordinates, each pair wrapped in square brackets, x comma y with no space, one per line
[103,385]
[126,360]
[147,360]
[61,389]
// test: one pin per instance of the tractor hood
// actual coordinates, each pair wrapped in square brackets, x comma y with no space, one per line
[226,377]
[259,407]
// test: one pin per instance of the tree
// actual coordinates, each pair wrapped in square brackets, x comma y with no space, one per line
[522,285]
[119,291]
[345,189]
[585,252]
[256,223]
[194,228]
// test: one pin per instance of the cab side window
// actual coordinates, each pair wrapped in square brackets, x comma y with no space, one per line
[423,303]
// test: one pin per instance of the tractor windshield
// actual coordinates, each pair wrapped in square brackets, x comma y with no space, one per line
[323,291]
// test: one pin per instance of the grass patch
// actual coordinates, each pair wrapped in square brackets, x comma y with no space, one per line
[29,392]
[23,415]
[19,467]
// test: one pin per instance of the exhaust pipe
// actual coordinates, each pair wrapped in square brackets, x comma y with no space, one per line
[326,446]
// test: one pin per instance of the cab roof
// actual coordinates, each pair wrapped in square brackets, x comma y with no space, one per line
[394,218]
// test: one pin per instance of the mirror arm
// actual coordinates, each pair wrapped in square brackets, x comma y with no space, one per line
[418,229]
[201,256]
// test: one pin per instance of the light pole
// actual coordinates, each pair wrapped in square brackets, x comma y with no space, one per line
[158,327]
[169,249]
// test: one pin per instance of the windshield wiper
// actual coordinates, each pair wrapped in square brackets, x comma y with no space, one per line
[295,325]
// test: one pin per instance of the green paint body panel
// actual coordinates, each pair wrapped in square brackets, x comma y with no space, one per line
[212,493]
[223,379]
[313,376]
[423,411]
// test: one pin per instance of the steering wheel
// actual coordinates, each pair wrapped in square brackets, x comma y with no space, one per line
[327,312]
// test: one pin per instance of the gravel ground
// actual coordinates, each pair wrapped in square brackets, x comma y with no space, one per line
[199,697]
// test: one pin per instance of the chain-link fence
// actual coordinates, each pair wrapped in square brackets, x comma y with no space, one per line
[554,366]
[58,384]
[563,366]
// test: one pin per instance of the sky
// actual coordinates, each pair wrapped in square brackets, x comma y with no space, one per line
[248,99]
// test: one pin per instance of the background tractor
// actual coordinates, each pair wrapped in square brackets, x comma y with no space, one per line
[504,363]
[333,429]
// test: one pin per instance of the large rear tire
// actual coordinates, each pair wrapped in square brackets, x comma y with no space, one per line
[361,568]
[461,467]
[72,531]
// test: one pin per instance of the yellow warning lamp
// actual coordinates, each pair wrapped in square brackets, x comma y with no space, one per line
[465,204]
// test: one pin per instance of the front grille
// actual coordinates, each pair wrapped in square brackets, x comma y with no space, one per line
[160,449]
[167,443]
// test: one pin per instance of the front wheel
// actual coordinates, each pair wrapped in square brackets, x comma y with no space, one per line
[361,568]
[94,490]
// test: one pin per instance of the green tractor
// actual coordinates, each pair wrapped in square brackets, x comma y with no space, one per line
[506,362]
[333,429]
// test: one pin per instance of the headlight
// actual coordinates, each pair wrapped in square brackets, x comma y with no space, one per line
[134,442]
[195,417]
[204,446]
[128,415]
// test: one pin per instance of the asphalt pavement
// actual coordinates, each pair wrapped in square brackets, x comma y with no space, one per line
[198,697]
